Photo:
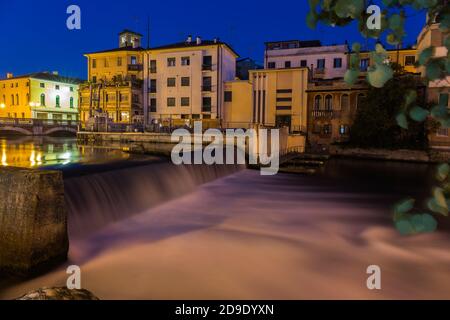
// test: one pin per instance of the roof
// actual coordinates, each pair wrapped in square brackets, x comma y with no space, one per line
[193,44]
[130,31]
[47,76]
[302,44]
[118,50]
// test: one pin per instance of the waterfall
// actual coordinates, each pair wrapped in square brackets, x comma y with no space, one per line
[93,201]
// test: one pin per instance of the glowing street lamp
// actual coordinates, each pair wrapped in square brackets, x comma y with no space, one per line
[2,106]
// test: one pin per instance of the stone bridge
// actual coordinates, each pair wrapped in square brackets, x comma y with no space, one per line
[37,127]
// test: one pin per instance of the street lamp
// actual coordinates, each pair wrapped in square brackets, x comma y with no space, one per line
[2,106]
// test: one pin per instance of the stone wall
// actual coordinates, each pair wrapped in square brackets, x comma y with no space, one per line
[33,220]
[381,154]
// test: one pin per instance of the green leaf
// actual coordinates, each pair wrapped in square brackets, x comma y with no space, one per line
[311,20]
[351,75]
[411,96]
[349,8]
[433,206]
[425,55]
[404,206]
[356,47]
[405,227]
[423,223]
[442,172]
[395,22]
[378,77]
[438,194]
[433,69]
[402,121]
[439,111]
[418,114]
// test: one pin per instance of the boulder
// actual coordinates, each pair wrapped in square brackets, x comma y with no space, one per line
[33,220]
[62,293]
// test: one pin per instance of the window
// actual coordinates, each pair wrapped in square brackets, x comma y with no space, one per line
[12,99]
[337,63]
[119,61]
[206,104]
[94,79]
[23,115]
[171,82]
[317,102]
[271,65]
[185,61]
[42,85]
[303,63]
[125,116]
[185,101]
[443,99]
[171,62]
[287,64]
[284,91]
[94,63]
[42,99]
[153,105]
[133,60]
[57,87]
[344,101]
[135,98]
[364,64]
[152,66]
[206,84]
[329,102]
[71,102]
[106,63]
[228,96]
[327,129]
[71,89]
[185,81]
[207,63]
[360,99]
[287,99]
[171,102]
[343,130]
[152,85]
[17,99]
[58,101]
[410,60]
[321,64]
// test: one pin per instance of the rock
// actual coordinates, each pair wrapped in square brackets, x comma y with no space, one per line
[62,293]
[33,220]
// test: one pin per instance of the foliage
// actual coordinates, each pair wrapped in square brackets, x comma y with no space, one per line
[404,106]
[375,123]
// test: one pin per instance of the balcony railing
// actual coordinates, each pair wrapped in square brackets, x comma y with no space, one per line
[206,108]
[320,72]
[152,70]
[323,113]
[207,88]
[152,89]
[135,67]
[207,67]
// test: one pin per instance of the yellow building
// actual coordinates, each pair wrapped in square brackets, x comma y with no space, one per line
[271,97]
[42,95]
[404,57]
[115,79]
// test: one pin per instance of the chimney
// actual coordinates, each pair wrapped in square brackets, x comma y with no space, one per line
[198,40]
[189,39]
[216,40]
[9,75]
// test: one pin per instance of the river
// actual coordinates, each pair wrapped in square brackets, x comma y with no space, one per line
[142,228]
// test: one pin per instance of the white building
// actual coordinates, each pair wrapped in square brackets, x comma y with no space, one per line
[186,80]
[324,61]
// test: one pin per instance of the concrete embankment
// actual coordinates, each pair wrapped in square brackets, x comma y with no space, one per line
[431,156]
[33,220]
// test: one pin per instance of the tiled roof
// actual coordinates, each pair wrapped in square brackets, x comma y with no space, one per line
[49,77]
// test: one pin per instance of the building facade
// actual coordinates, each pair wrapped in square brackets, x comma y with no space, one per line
[185,81]
[438,91]
[323,61]
[43,95]
[115,82]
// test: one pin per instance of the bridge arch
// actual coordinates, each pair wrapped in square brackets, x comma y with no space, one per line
[16,129]
[60,129]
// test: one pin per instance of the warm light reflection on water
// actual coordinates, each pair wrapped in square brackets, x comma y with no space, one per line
[35,152]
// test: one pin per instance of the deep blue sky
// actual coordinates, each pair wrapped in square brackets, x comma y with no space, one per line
[35,38]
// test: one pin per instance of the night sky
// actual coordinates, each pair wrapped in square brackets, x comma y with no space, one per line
[35,38]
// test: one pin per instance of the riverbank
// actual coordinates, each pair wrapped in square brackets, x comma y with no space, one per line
[430,156]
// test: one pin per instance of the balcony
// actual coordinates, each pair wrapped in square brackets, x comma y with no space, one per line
[319,73]
[135,67]
[206,108]
[207,67]
[152,70]
[152,89]
[207,88]
[327,114]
